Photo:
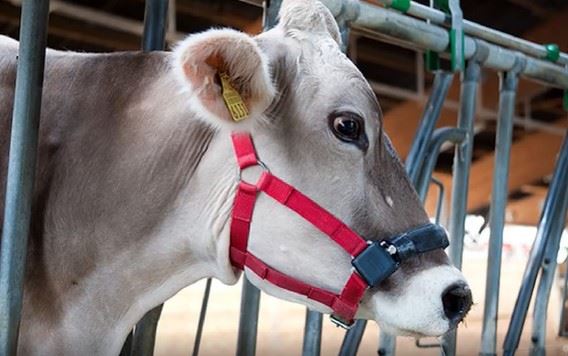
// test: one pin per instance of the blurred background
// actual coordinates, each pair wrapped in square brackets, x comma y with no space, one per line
[402,85]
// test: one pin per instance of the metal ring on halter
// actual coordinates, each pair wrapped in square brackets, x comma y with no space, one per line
[258,163]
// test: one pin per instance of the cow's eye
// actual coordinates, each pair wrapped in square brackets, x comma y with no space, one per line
[347,127]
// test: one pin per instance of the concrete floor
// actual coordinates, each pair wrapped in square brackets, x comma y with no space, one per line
[281,323]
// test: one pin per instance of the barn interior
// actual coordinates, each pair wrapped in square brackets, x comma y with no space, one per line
[398,76]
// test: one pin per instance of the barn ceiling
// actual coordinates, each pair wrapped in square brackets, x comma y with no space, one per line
[395,72]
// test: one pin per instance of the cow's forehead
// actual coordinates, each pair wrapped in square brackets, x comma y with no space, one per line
[321,64]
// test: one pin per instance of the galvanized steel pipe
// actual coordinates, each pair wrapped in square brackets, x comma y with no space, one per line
[499,196]
[548,271]
[155,24]
[21,169]
[442,135]
[419,34]
[352,338]
[312,333]
[154,39]
[548,219]
[462,164]
[474,29]
[430,116]
[248,321]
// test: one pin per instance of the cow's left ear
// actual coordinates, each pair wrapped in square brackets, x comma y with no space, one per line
[217,64]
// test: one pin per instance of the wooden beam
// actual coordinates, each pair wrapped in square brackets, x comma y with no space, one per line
[77,31]
[221,13]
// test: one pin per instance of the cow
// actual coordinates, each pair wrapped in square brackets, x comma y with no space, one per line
[136,178]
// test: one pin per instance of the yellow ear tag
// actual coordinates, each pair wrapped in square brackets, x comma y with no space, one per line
[233,100]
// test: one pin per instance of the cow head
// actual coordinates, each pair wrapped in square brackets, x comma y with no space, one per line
[317,124]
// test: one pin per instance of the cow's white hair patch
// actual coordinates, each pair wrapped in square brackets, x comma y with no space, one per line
[241,58]
[418,309]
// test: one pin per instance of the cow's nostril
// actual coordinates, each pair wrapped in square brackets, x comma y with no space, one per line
[457,301]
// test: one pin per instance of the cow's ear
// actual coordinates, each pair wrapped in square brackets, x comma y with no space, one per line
[308,16]
[226,74]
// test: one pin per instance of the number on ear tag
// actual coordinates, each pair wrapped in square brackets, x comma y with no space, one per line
[235,104]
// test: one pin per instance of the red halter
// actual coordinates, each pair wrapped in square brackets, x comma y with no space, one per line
[345,304]
[372,261]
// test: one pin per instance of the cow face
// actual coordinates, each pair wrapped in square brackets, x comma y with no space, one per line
[317,124]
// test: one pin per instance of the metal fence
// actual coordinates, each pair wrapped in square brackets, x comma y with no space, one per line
[471,47]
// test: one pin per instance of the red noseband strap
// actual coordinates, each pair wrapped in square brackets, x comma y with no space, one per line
[345,304]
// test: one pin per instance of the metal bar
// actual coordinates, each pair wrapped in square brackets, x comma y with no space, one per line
[440,136]
[499,196]
[352,338]
[439,203]
[248,321]
[202,313]
[270,16]
[562,325]
[21,169]
[430,116]
[419,35]
[127,346]
[312,333]
[155,25]
[461,168]
[538,338]
[387,345]
[250,296]
[155,19]
[480,31]
[457,33]
[550,213]
[145,333]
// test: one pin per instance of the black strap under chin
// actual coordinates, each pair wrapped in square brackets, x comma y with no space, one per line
[382,258]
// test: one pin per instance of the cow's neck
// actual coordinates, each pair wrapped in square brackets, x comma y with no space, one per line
[145,224]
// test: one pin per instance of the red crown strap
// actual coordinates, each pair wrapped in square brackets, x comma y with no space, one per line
[244,149]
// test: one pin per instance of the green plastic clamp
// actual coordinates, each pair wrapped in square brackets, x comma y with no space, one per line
[400,5]
[552,52]
[432,59]
[453,40]
[565,100]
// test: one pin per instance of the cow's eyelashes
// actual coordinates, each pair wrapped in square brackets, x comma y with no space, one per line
[349,127]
